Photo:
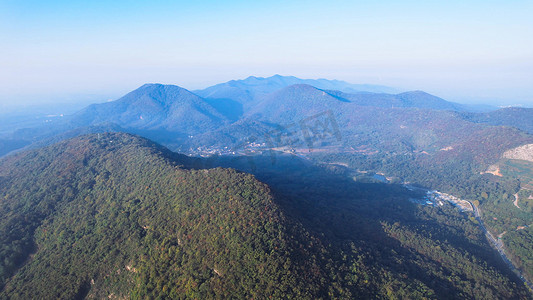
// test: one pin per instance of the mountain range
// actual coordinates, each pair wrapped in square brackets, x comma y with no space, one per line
[247,90]
[169,113]
[334,133]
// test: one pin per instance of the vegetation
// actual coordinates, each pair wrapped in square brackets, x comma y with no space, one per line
[114,215]
[412,137]
[519,117]
[495,195]
[8,145]
[420,251]
[117,215]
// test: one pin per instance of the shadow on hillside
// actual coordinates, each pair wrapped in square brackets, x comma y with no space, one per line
[342,212]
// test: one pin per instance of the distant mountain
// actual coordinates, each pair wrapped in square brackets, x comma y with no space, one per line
[517,117]
[252,90]
[154,107]
[424,100]
[412,99]
[294,103]
[246,90]
[170,114]
[184,121]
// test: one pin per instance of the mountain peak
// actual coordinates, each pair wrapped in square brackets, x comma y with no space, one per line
[151,85]
[160,86]
[416,92]
[154,106]
[165,94]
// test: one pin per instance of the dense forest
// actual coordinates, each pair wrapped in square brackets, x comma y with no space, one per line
[365,201]
[493,195]
[115,215]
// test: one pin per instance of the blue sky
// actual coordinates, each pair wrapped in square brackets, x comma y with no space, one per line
[466,51]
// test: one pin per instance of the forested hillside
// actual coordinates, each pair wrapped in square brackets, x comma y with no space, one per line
[115,215]
[518,117]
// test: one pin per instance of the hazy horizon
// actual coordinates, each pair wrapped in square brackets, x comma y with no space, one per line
[59,51]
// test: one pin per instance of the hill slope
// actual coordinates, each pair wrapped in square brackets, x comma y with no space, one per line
[518,117]
[114,214]
[294,103]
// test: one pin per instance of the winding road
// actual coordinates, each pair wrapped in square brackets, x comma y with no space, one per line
[498,244]
[494,242]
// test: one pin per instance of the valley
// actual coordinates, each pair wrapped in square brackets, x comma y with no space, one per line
[429,198]
[363,190]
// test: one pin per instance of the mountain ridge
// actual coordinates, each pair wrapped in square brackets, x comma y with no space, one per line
[118,215]
[158,201]
[246,90]
[157,110]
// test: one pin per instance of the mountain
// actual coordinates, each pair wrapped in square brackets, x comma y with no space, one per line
[405,124]
[172,115]
[154,107]
[347,213]
[252,90]
[410,122]
[293,103]
[246,90]
[166,113]
[232,138]
[424,100]
[517,117]
[412,99]
[118,216]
